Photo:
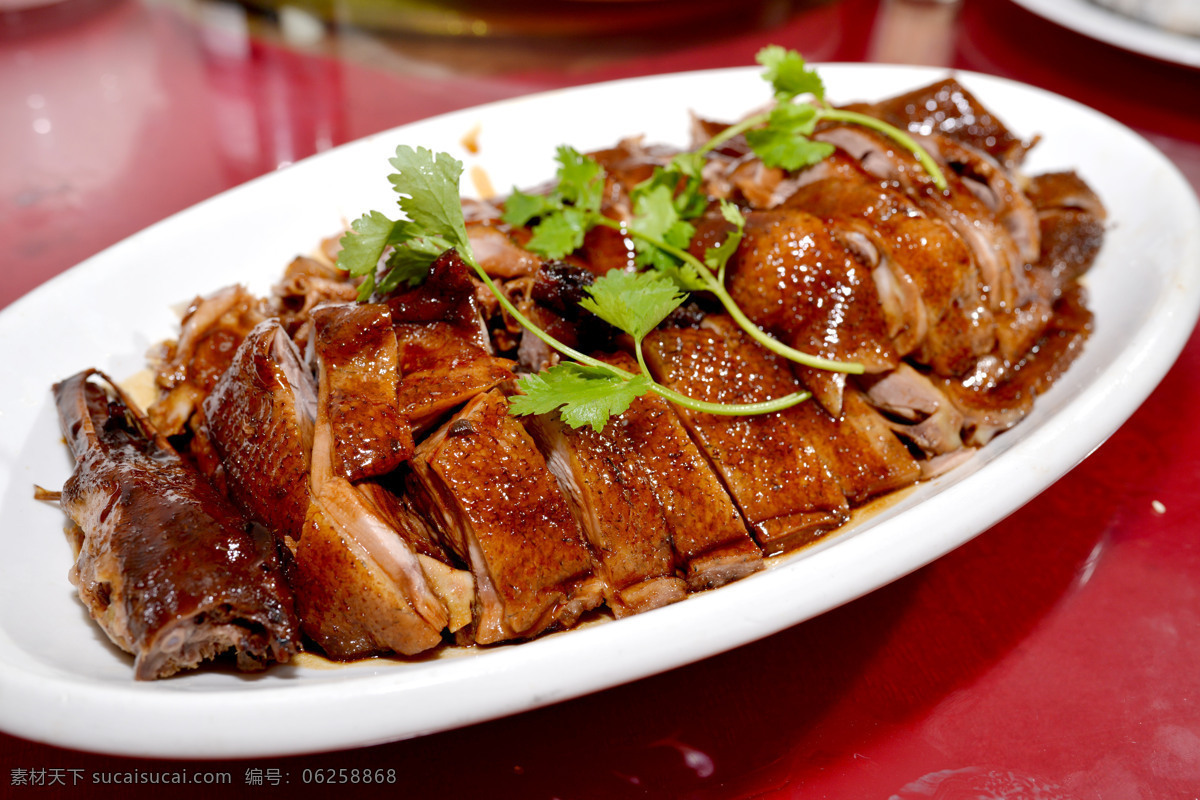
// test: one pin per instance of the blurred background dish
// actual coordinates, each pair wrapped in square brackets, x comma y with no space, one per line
[1108,25]
[542,19]
[1179,16]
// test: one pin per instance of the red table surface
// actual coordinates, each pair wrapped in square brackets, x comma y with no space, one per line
[1057,655]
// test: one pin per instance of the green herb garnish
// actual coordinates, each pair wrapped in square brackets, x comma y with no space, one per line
[429,197]
[661,237]
[584,394]
[780,136]
[587,390]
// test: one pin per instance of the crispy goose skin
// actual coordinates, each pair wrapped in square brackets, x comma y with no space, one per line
[614,500]
[481,478]
[712,545]
[771,469]
[947,320]
[983,206]
[259,418]
[171,571]
[794,279]
[358,344]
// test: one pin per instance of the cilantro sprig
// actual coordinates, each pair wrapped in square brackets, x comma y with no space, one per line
[428,185]
[587,391]
[583,394]
[662,232]
[665,203]
[780,136]
[568,212]
[387,253]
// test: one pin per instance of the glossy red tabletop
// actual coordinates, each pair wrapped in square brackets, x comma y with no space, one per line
[1057,655]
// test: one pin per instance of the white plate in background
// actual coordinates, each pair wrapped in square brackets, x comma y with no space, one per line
[1111,27]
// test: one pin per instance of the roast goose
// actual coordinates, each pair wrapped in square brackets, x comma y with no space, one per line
[348,473]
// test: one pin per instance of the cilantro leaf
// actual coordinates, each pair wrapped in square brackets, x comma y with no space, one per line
[429,196]
[364,243]
[560,233]
[409,265]
[798,119]
[635,302]
[788,74]
[566,214]
[520,207]
[585,394]
[580,180]
[688,164]
[682,178]
[715,258]
[428,186]
[363,246]
[685,276]
[790,152]
[784,141]
[656,221]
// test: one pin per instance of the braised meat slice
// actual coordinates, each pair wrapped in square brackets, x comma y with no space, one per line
[350,574]
[307,283]
[497,253]
[171,571]
[859,446]
[448,578]
[973,173]
[554,296]
[441,370]
[358,347]
[948,108]
[996,395]
[447,295]
[917,410]
[360,586]
[1072,220]
[711,543]
[631,161]
[782,486]
[259,419]
[982,205]
[613,498]
[445,355]
[482,481]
